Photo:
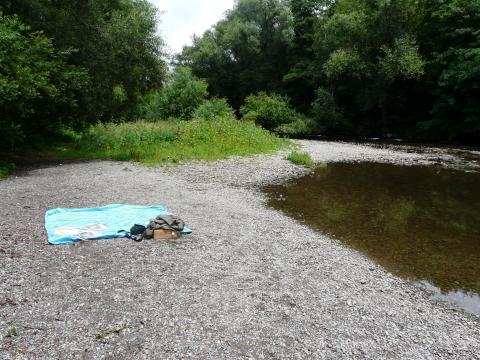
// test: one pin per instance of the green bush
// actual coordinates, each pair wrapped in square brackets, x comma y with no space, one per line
[6,169]
[268,111]
[300,159]
[179,98]
[300,126]
[214,109]
[175,141]
[125,141]
[150,106]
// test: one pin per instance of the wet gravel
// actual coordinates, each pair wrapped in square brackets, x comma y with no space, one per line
[248,283]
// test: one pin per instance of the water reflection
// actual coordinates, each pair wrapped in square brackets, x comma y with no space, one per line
[421,223]
[467,300]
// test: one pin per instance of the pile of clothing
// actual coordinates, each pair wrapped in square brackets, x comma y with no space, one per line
[162,227]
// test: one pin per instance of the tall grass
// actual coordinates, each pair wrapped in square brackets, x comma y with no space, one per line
[303,159]
[176,141]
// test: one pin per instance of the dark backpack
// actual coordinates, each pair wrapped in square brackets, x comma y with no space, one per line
[137,231]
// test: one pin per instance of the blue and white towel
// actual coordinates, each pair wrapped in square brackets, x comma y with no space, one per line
[65,226]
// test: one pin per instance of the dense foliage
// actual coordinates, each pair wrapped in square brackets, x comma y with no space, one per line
[179,98]
[451,37]
[388,56]
[246,52]
[403,68]
[5,169]
[71,63]
[354,67]
[37,86]
[268,111]
[214,109]
[175,141]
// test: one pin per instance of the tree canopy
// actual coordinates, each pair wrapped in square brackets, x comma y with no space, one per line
[356,67]
[246,52]
[75,62]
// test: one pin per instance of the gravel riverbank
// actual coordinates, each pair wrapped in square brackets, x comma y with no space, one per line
[248,283]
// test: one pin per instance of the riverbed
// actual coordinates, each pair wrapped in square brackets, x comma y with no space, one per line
[250,281]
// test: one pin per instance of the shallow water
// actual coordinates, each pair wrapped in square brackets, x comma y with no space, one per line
[421,223]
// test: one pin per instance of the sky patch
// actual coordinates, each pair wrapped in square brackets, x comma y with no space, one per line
[181,19]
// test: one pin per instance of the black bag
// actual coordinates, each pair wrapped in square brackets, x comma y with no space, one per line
[137,229]
[137,232]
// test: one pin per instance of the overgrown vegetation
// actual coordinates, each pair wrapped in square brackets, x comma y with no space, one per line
[399,68]
[177,99]
[214,109]
[298,158]
[354,67]
[268,111]
[300,126]
[175,141]
[74,63]
[35,80]
[5,169]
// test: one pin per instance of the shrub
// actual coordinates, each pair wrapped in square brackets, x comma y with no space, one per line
[178,98]
[175,141]
[11,332]
[225,137]
[125,141]
[300,126]
[268,111]
[300,159]
[214,109]
[5,169]
[151,106]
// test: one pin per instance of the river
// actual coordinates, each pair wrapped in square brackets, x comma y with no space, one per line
[421,222]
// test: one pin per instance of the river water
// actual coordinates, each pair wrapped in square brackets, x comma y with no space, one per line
[419,222]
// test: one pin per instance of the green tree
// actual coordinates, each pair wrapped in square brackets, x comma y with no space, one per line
[451,41]
[268,111]
[114,40]
[179,98]
[365,49]
[325,113]
[299,80]
[245,52]
[37,88]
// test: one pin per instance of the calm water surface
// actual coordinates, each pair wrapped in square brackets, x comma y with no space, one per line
[421,223]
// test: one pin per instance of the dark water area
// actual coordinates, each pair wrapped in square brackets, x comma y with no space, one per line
[421,223]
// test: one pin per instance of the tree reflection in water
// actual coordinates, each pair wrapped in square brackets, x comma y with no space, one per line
[422,223]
